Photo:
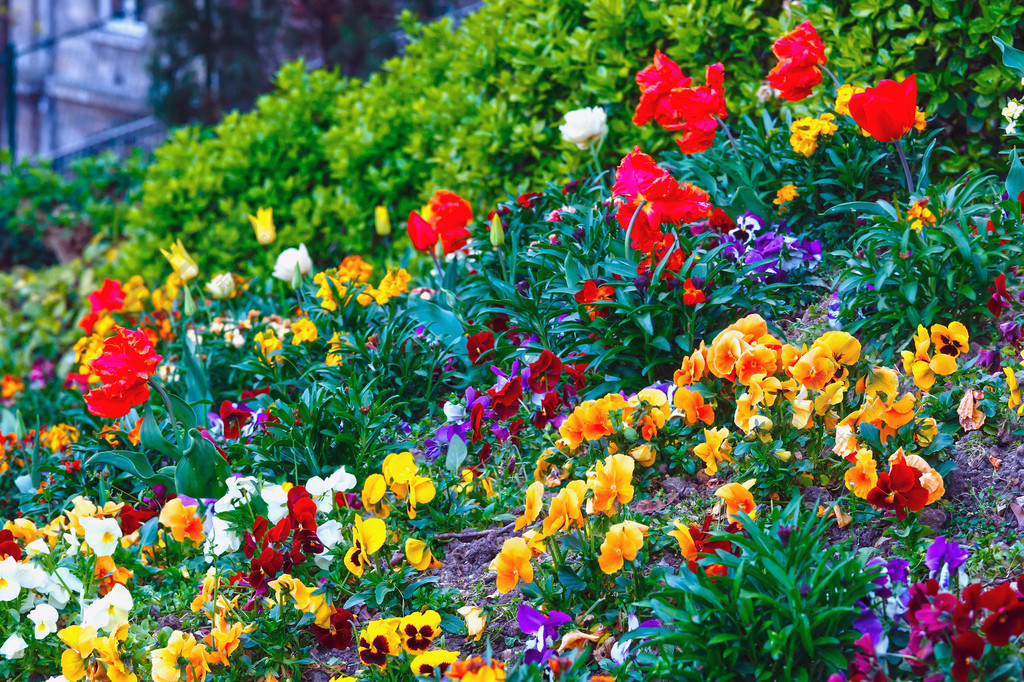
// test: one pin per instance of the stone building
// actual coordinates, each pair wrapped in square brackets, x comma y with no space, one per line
[81,74]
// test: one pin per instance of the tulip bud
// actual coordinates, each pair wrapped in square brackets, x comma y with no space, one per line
[784,455]
[497,232]
[381,221]
[190,305]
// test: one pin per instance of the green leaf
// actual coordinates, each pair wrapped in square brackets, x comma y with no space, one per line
[1015,178]
[1012,57]
[457,453]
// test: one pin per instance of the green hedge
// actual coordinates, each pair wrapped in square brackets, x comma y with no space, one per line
[476,110]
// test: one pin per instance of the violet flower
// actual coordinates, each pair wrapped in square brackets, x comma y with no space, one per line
[944,557]
[543,627]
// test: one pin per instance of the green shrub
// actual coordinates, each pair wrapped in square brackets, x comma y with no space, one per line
[476,110]
[51,216]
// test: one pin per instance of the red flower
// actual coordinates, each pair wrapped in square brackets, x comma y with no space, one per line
[967,648]
[1007,619]
[1001,298]
[900,489]
[445,217]
[131,519]
[339,636]
[421,233]
[505,401]
[526,199]
[545,372]
[476,420]
[639,179]
[479,346]
[887,111]
[674,263]
[721,221]
[666,96]
[110,296]
[8,547]
[234,419]
[691,294]
[800,52]
[302,508]
[124,365]
[591,293]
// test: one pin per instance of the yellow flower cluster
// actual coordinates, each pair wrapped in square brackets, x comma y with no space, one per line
[921,214]
[804,132]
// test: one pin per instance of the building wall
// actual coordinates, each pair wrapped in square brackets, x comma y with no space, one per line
[80,72]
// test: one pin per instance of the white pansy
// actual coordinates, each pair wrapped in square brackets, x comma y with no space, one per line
[62,583]
[221,538]
[276,498]
[14,647]
[101,534]
[585,126]
[44,620]
[330,533]
[341,480]
[10,579]
[109,612]
[454,412]
[291,261]
[37,547]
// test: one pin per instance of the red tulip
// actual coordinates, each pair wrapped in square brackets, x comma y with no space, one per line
[800,52]
[422,234]
[887,111]
[124,365]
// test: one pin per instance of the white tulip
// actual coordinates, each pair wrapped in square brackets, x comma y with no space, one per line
[14,647]
[292,260]
[222,286]
[44,620]
[585,126]
[101,534]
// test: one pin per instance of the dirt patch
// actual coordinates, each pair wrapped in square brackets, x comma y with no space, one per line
[988,483]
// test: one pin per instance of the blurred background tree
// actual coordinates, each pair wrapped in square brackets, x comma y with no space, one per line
[212,56]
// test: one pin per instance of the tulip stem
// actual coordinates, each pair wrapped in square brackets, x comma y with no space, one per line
[906,166]
[728,133]
[170,410]
[831,75]
[629,228]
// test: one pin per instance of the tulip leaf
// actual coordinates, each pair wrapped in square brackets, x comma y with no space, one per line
[152,438]
[197,387]
[1012,57]
[1015,178]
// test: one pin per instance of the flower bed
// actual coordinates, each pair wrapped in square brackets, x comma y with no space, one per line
[745,411]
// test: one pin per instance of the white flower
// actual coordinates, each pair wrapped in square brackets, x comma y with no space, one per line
[37,547]
[110,612]
[584,126]
[44,620]
[322,489]
[291,260]
[1011,129]
[222,286]
[276,498]
[454,412]
[221,538]
[330,533]
[60,586]
[14,647]
[10,579]
[24,484]
[101,534]
[1012,111]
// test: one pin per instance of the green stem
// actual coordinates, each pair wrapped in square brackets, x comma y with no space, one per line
[728,133]
[831,75]
[170,410]
[906,166]
[629,229]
